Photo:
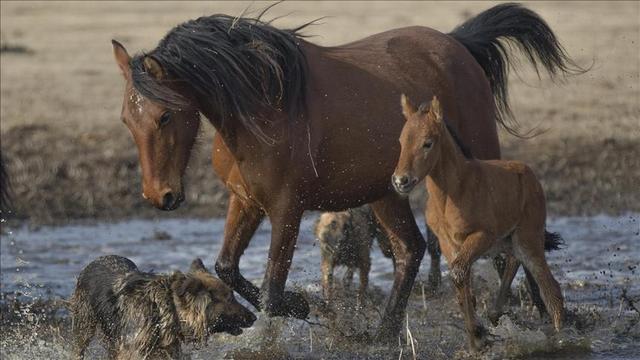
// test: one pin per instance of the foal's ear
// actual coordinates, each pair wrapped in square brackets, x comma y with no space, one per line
[153,67]
[436,109]
[122,58]
[407,108]
[197,265]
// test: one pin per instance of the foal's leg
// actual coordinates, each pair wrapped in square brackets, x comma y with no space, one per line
[509,271]
[474,246]
[285,224]
[394,214]
[243,218]
[529,248]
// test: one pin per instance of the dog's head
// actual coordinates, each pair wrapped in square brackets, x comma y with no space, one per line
[331,229]
[206,305]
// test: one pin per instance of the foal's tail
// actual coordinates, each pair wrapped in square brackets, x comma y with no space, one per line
[491,34]
[552,241]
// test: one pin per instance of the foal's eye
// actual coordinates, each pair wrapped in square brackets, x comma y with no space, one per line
[427,144]
[164,119]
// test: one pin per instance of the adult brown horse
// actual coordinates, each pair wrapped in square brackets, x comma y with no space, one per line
[304,127]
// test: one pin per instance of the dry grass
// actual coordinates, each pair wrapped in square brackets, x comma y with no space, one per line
[71,158]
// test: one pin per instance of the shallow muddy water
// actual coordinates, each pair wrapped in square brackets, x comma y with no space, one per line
[598,271]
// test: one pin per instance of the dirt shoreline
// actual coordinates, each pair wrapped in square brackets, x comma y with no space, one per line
[580,176]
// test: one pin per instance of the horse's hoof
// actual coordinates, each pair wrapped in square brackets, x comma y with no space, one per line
[479,339]
[296,305]
[494,317]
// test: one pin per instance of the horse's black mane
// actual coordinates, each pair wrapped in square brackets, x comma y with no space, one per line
[242,66]
[465,150]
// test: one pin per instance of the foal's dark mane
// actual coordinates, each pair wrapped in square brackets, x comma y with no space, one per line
[242,66]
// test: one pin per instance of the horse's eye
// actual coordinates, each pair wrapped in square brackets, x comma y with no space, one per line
[428,144]
[164,119]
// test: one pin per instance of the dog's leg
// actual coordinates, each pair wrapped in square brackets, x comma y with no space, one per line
[243,218]
[327,279]
[364,279]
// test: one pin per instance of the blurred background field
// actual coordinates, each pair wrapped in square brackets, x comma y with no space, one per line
[71,158]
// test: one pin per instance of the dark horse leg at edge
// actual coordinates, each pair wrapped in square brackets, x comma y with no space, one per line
[304,127]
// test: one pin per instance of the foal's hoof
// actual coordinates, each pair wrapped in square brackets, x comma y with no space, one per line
[293,304]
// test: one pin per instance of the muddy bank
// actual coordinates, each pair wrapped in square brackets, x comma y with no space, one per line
[59,175]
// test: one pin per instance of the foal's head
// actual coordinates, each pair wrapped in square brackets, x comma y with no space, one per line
[164,136]
[419,142]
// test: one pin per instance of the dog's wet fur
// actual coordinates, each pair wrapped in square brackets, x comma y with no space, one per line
[345,239]
[146,315]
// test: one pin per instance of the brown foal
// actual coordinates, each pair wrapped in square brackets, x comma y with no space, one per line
[476,208]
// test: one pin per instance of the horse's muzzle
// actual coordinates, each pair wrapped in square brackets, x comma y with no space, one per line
[171,201]
[403,184]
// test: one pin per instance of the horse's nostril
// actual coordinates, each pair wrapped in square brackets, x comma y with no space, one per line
[168,200]
[402,180]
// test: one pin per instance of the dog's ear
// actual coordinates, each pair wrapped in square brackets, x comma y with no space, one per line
[197,265]
[189,285]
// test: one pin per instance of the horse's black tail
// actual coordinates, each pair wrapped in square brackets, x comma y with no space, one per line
[552,241]
[490,35]
[5,188]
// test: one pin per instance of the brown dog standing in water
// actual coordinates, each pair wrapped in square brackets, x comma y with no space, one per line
[345,240]
[476,208]
[148,316]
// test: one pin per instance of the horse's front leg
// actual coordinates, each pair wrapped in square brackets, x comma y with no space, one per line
[285,224]
[394,214]
[243,218]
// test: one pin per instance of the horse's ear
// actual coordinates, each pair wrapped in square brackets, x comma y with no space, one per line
[153,67]
[436,109]
[122,58]
[407,108]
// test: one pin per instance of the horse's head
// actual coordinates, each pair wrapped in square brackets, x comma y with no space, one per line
[419,141]
[164,135]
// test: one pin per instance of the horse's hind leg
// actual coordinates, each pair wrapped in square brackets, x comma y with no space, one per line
[395,216]
[433,248]
[529,248]
[243,218]
[509,271]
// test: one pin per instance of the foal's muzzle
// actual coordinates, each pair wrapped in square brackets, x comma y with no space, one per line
[403,184]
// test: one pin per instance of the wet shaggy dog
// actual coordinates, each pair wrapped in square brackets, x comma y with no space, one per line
[147,316]
[345,240]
